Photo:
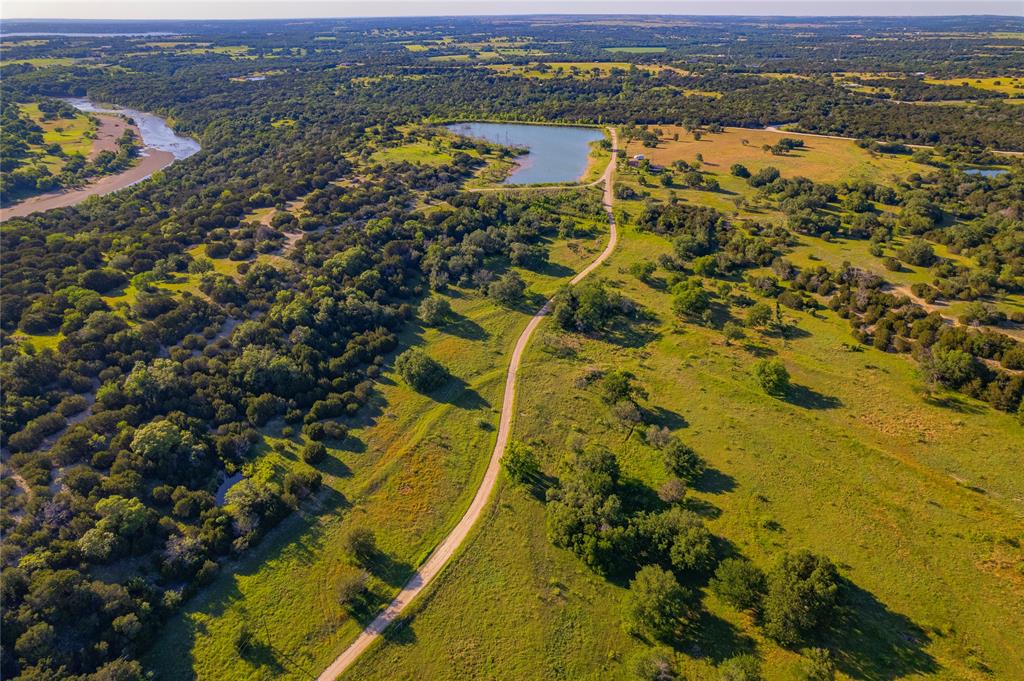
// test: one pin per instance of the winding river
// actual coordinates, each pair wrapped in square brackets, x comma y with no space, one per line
[161,147]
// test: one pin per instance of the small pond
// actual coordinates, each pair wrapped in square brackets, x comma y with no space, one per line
[986,172]
[557,153]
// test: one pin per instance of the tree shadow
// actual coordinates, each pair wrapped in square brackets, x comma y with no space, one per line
[637,496]
[759,351]
[712,638]
[334,466]
[385,568]
[870,641]
[956,403]
[661,416]
[551,269]
[714,481]
[805,397]
[464,327]
[457,393]
[263,655]
[627,333]
[401,632]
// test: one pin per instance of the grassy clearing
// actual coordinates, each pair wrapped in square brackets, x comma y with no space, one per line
[408,470]
[415,152]
[1010,85]
[41,62]
[74,136]
[912,497]
[821,159]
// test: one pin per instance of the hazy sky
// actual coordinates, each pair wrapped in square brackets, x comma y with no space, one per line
[248,9]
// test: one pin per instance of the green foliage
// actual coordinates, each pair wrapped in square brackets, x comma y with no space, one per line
[313,452]
[520,463]
[740,668]
[434,311]
[361,544]
[681,460]
[772,376]
[739,583]
[803,592]
[421,371]
[507,289]
[690,299]
[656,605]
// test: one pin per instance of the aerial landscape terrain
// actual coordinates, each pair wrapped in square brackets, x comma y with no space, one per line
[633,347]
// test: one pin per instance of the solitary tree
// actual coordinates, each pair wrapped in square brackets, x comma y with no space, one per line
[772,376]
[421,371]
[803,590]
[520,463]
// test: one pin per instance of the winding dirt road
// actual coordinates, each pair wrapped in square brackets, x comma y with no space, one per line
[447,548]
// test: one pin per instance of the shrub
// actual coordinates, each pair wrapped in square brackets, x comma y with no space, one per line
[656,604]
[520,463]
[361,544]
[772,376]
[740,668]
[314,452]
[739,170]
[420,371]
[803,591]
[918,252]
[682,461]
[739,583]
[434,311]
[508,289]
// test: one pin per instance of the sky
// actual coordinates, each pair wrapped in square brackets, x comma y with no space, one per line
[253,9]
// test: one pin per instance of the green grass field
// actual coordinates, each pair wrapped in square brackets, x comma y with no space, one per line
[74,136]
[856,465]
[408,471]
[1010,85]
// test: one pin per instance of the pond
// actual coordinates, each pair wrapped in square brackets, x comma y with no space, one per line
[986,172]
[557,153]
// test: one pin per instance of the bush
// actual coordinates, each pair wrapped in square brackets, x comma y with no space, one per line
[803,590]
[520,463]
[772,376]
[434,311]
[739,583]
[314,452]
[361,544]
[740,668]
[682,461]
[653,665]
[739,170]
[656,604]
[508,289]
[420,371]
[918,252]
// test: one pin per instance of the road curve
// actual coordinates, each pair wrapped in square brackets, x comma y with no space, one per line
[447,548]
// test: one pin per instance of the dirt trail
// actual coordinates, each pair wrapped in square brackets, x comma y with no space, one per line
[447,548]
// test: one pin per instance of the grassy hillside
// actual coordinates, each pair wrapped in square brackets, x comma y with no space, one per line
[912,497]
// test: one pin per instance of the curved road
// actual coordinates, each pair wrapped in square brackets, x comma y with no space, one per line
[447,548]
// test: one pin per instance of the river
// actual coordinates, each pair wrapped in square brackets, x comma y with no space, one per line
[558,153]
[161,147]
